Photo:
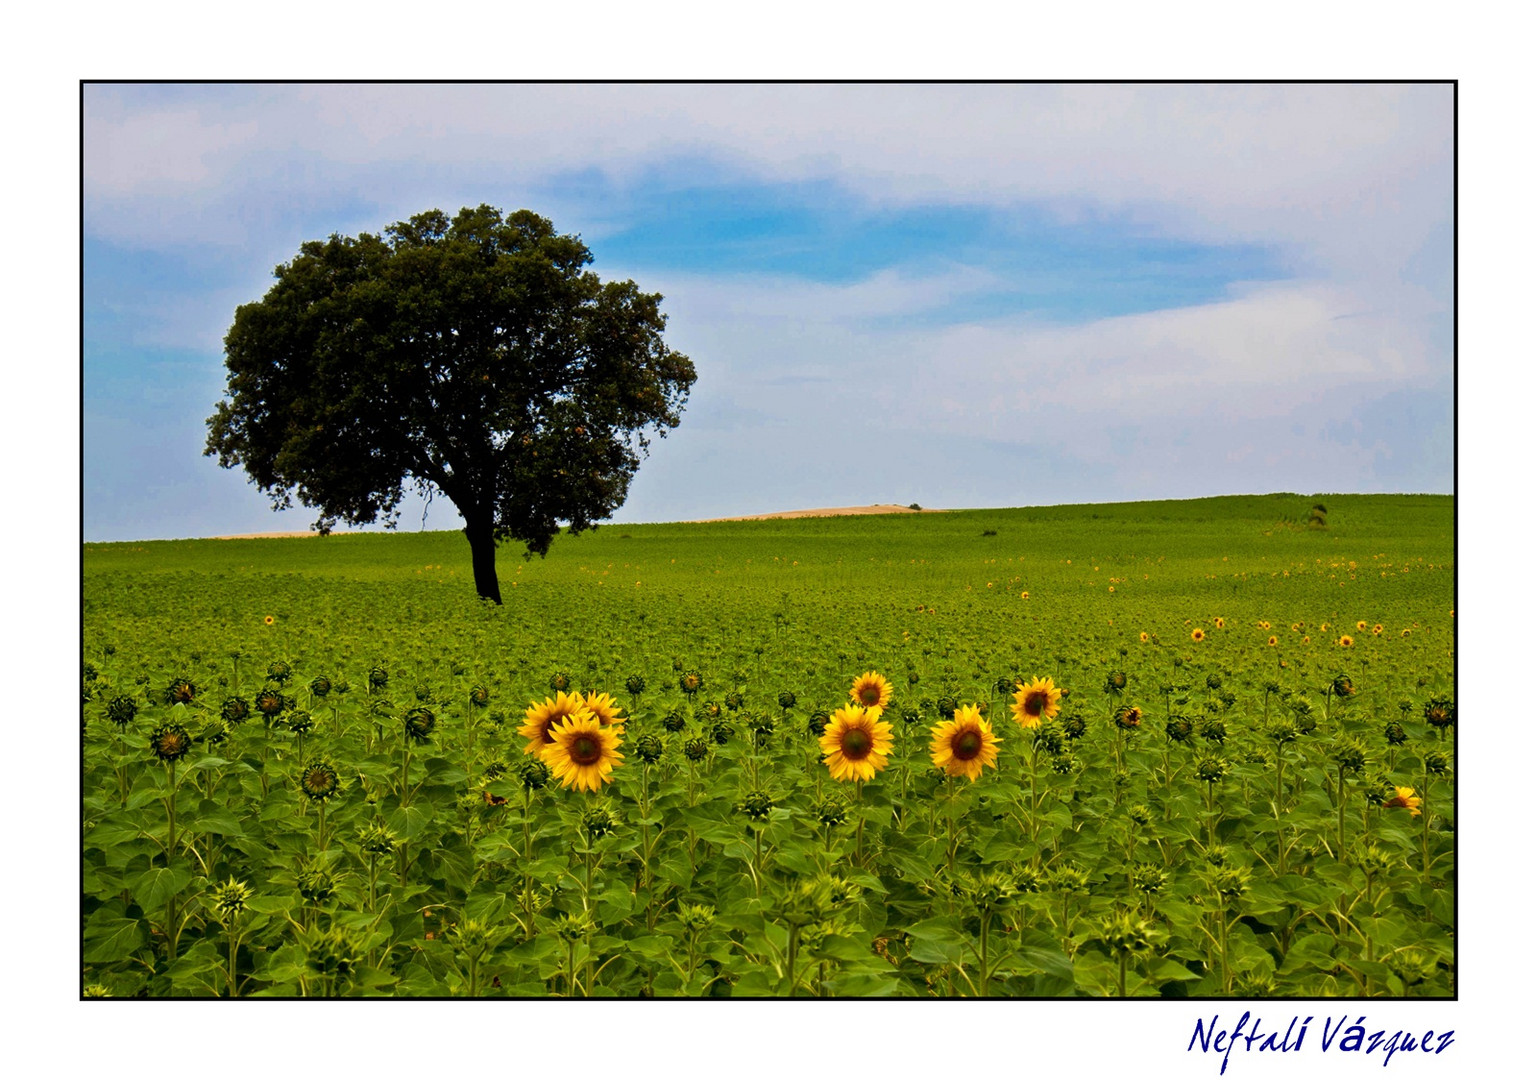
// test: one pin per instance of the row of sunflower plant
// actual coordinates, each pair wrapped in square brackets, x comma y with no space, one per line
[1120,837]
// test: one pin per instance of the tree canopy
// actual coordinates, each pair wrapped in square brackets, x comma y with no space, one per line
[475,357]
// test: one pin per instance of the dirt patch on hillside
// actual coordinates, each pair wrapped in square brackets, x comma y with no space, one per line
[265,535]
[826,511]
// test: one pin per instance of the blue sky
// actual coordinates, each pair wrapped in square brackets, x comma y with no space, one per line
[957,295]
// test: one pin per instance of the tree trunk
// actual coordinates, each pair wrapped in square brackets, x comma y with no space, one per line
[483,556]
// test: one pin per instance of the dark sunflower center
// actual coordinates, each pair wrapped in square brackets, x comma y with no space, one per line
[869,694]
[586,750]
[966,745]
[1035,702]
[856,744]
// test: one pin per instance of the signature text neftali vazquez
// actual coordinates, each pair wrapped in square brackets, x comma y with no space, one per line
[1251,1034]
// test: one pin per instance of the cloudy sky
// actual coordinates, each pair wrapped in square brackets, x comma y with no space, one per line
[957,295]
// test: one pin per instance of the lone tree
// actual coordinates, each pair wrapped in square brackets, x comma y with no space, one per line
[474,357]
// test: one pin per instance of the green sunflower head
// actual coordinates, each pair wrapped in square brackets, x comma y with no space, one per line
[420,723]
[121,710]
[319,781]
[180,691]
[170,742]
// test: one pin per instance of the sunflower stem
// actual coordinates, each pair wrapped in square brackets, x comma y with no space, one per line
[859,823]
[794,947]
[170,811]
[528,858]
[234,947]
[987,918]
[1341,800]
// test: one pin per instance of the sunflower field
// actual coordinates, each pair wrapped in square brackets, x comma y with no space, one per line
[1194,749]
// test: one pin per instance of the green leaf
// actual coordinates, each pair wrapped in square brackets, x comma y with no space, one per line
[109,937]
[217,820]
[408,822]
[1309,951]
[272,905]
[937,941]
[154,887]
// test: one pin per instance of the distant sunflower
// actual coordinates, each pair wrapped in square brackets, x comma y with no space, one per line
[1306,640]
[1377,629]
[269,620]
[541,717]
[1198,634]
[582,753]
[871,690]
[1219,622]
[1361,625]
[1346,641]
[855,743]
[605,708]
[1035,703]
[1142,637]
[1406,798]
[1271,641]
[961,747]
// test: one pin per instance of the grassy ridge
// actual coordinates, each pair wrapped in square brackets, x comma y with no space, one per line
[1245,557]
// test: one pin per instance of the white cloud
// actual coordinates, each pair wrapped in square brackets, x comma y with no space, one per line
[1295,163]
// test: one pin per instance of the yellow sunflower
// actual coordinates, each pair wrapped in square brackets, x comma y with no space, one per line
[1035,702]
[582,753]
[1404,797]
[608,711]
[1198,634]
[1361,625]
[963,745]
[871,691]
[1271,641]
[855,743]
[1142,637]
[1346,641]
[1377,629]
[543,716]
[269,620]
[1220,623]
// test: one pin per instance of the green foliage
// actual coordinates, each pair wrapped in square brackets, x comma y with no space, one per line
[1093,860]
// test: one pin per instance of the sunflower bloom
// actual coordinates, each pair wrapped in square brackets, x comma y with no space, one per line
[1404,797]
[962,746]
[1271,641]
[268,620]
[1035,702]
[1198,634]
[543,716]
[871,691]
[605,708]
[1346,641]
[855,743]
[582,753]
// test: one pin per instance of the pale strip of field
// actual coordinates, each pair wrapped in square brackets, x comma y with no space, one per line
[826,511]
[267,535]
